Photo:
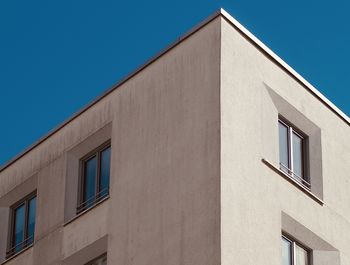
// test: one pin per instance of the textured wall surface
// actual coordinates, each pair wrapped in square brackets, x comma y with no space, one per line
[254,198]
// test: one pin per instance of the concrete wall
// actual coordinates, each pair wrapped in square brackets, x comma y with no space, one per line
[165,193]
[255,198]
[164,205]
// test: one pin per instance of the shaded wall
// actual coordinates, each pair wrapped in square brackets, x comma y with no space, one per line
[164,205]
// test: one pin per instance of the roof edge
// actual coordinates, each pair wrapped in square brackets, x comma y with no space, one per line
[233,22]
[284,65]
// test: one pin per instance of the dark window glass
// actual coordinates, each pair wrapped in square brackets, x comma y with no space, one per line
[283,146]
[102,260]
[90,180]
[31,219]
[95,177]
[23,225]
[105,171]
[19,227]
[297,155]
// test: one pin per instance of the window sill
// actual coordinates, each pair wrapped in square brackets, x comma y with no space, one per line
[17,254]
[85,211]
[292,181]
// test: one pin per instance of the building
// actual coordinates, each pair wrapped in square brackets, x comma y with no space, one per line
[214,152]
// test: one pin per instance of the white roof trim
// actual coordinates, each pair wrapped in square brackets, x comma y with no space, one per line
[284,65]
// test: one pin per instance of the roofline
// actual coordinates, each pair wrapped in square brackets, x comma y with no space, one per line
[267,51]
[221,12]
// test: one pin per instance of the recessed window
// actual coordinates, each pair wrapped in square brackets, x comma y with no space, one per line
[95,174]
[292,153]
[293,253]
[22,224]
[102,260]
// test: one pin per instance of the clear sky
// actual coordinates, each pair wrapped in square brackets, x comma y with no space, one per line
[57,56]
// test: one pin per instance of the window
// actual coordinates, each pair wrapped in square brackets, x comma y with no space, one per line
[102,260]
[95,171]
[293,253]
[22,224]
[292,153]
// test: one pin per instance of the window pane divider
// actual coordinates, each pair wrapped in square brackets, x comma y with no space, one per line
[290,148]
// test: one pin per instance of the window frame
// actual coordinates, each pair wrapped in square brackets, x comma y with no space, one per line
[11,248]
[295,243]
[100,258]
[81,206]
[291,129]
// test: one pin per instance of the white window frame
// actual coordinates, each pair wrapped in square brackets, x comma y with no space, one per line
[304,180]
[293,245]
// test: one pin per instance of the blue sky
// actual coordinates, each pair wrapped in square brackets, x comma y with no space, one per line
[57,56]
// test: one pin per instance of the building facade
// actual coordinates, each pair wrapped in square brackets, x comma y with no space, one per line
[213,152]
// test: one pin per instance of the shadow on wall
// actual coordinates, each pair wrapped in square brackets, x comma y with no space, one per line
[323,253]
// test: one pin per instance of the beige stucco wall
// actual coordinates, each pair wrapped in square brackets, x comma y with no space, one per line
[254,198]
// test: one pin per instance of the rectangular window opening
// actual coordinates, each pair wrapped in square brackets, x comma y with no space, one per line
[293,253]
[292,153]
[22,225]
[95,175]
